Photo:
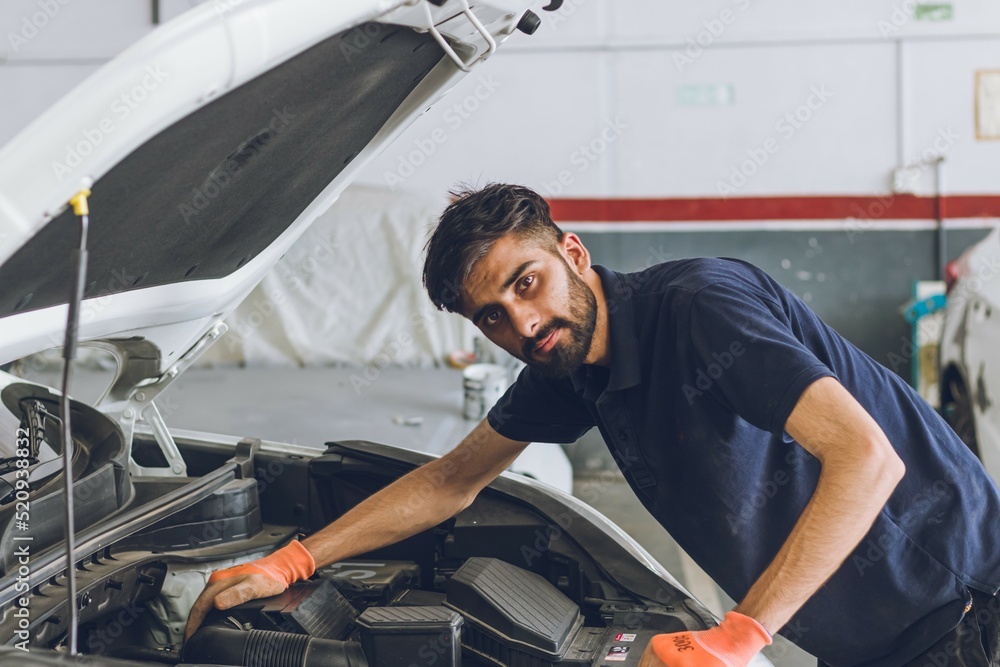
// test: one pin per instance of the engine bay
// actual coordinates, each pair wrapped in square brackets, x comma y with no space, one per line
[522,577]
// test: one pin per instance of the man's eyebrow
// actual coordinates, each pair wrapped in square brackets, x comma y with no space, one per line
[514,275]
[517,273]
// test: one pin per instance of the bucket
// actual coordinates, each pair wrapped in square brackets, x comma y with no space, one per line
[483,385]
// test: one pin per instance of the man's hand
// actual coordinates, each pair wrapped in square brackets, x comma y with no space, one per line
[259,579]
[732,643]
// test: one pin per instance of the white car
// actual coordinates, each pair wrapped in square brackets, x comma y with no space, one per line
[210,146]
[970,350]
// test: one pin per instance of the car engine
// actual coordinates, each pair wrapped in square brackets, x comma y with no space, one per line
[523,577]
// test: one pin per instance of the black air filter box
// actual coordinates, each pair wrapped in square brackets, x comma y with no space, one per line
[513,617]
[403,636]
[367,583]
[307,607]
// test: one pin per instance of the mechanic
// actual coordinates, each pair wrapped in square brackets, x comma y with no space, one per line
[811,483]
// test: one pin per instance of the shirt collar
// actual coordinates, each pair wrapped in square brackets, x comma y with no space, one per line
[625,370]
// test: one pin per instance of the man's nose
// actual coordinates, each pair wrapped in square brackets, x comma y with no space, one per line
[525,321]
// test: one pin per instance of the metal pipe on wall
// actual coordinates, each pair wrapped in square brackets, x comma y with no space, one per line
[900,103]
[939,213]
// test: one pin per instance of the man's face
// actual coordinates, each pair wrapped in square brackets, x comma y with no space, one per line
[533,304]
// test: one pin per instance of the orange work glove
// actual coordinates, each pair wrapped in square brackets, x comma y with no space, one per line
[287,565]
[251,581]
[732,643]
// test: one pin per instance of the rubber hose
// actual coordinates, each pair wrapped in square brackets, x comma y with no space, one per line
[266,648]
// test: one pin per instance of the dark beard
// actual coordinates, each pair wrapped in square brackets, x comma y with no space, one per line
[568,353]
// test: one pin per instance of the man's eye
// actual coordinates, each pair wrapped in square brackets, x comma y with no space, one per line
[492,317]
[526,282]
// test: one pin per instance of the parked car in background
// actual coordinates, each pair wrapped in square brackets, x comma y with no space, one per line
[970,350]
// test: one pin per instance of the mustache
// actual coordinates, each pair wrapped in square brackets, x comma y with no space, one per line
[556,323]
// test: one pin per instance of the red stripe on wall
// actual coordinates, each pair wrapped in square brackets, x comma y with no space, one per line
[886,207]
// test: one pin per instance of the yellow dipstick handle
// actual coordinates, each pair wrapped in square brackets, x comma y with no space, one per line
[79,202]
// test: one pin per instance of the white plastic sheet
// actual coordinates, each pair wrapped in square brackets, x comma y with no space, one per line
[348,292]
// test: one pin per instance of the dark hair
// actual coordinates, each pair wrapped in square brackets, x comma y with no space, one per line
[470,226]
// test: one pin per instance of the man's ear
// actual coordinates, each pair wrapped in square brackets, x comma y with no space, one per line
[575,253]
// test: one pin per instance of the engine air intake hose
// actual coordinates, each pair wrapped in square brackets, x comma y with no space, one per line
[265,648]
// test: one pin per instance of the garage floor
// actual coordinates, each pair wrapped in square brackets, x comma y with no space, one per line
[311,406]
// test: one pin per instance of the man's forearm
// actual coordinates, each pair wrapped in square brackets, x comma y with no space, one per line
[846,502]
[415,502]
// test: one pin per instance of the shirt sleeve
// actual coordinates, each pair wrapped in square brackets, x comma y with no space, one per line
[540,409]
[747,355]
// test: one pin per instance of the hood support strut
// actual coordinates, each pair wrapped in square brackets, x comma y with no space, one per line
[129,399]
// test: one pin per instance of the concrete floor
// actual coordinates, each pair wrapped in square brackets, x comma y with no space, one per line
[311,406]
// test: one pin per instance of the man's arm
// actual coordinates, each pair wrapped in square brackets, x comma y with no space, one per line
[415,502]
[859,471]
[420,500]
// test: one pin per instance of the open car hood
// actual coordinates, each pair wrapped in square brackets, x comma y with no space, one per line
[210,146]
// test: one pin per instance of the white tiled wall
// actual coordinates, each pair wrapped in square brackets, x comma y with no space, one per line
[768,20]
[669,96]
[941,81]
[895,82]
[808,122]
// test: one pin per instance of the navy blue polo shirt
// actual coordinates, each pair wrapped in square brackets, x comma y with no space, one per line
[708,359]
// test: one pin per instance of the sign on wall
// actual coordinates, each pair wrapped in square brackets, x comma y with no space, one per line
[988,104]
[706,95]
